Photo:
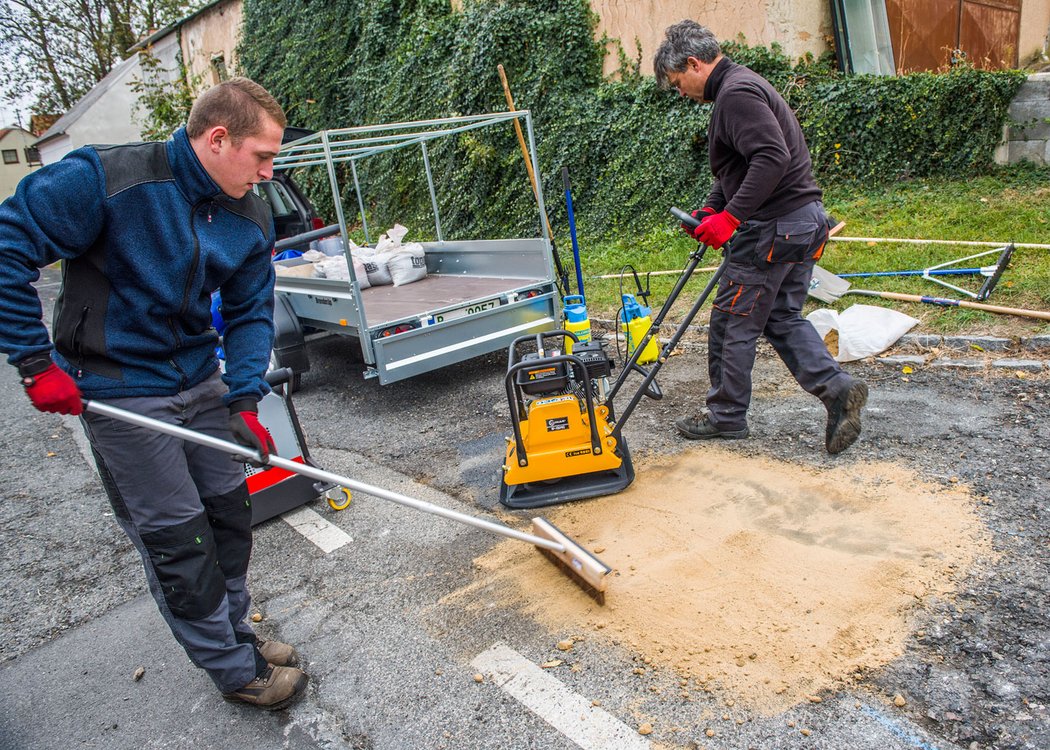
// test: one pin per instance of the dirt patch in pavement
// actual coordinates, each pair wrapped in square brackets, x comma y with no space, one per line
[757,579]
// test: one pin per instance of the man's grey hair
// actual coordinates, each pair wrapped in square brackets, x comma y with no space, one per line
[683,40]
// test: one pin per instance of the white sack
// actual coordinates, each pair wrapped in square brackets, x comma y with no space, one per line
[408,264]
[397,233]
[334,267]
[863,330]
[375,265]
[391,240]
[361,273]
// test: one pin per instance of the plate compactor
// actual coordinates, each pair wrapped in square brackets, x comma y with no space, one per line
[568,443]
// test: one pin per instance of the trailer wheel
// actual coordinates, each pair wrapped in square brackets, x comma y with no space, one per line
[339,498]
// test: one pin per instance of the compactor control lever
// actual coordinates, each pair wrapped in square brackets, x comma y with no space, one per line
[685,218]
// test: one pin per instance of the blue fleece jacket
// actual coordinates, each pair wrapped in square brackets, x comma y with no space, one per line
[145,236]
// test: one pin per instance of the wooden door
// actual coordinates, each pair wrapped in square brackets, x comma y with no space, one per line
[927,34]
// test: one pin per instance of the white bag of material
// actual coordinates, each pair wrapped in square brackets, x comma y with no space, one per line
[392,239]
[334,267]
[863,330]
[391,262]
[407,264]
[361,273]
[374,265]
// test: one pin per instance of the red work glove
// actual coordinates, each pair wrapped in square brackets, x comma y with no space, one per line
[248,431]
[52,390]
[716,230]
[699,214]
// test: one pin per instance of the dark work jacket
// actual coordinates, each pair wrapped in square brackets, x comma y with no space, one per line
[145,236]
[758,154]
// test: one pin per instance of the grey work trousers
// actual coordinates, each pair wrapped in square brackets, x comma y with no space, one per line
[761,294]
[187,510]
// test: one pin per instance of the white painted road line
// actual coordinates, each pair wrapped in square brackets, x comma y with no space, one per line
[573,715]
[310,524]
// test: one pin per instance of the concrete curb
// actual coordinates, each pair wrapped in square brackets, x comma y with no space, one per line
[1023,354]
[1026,354]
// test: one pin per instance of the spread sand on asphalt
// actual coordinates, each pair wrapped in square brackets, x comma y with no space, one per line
[760,581]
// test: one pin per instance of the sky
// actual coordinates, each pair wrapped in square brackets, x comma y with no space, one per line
[9,113]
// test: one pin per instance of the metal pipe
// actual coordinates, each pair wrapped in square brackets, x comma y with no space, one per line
[538,189]
[669,347]
[433,194]
[366,348]
[233,449]
[360,200]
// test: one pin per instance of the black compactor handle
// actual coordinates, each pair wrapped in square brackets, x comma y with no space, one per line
[279,376]
[685,218]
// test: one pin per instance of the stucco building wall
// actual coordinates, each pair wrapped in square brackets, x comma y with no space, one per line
[17,140]
[107,113]
[209,38]
[799,26]
[1035,26]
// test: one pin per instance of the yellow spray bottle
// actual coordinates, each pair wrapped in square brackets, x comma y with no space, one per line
[576,320]
[634,323]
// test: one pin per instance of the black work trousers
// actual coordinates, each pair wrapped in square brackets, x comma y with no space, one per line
[761,294]
[187,510]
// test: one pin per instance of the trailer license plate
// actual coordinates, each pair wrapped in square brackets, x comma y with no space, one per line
[472,309]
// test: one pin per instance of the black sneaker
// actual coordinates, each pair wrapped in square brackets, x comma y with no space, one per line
[844,417]
[700,428]
[274,689]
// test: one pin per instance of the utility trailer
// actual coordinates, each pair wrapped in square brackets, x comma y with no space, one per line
[478,296]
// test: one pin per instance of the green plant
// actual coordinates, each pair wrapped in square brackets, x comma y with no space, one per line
[631,149]
[163,97]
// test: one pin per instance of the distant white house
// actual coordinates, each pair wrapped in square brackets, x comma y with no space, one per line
[106,113]
[17,158]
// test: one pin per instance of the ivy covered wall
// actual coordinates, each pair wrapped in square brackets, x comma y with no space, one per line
[632,150]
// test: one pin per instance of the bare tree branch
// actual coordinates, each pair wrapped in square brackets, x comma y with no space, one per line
[58,49]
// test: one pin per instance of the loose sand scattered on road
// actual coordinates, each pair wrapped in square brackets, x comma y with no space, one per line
[760,580]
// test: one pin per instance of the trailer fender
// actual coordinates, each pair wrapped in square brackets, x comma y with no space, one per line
[289,343]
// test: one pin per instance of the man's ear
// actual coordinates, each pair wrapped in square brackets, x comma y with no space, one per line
[693,63]
[215,137]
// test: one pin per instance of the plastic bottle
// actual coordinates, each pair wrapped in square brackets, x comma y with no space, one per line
[634,323]
[576,320]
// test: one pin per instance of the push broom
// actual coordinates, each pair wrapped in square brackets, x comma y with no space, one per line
[583,568]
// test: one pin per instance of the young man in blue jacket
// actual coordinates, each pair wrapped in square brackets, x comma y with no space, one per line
[764,193]
[146,232]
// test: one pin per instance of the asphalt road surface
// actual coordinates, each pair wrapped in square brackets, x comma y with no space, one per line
[393,668]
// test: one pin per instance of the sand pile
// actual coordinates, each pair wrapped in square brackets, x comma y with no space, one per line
[757,579]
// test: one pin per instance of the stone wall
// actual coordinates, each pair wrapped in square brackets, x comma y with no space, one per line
[1029,140]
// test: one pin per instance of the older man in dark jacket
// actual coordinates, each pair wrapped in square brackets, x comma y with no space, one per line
[764,193]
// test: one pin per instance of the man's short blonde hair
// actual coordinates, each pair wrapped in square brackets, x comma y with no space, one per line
[239,104]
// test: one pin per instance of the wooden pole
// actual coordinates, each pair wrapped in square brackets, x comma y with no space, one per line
[1019,311]
[1028,245]
[521,142]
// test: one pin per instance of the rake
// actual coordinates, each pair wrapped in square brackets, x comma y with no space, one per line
[827,287]
[991,273]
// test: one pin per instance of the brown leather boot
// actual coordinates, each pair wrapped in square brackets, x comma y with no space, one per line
[277,653]
[274,689]
[844,417]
